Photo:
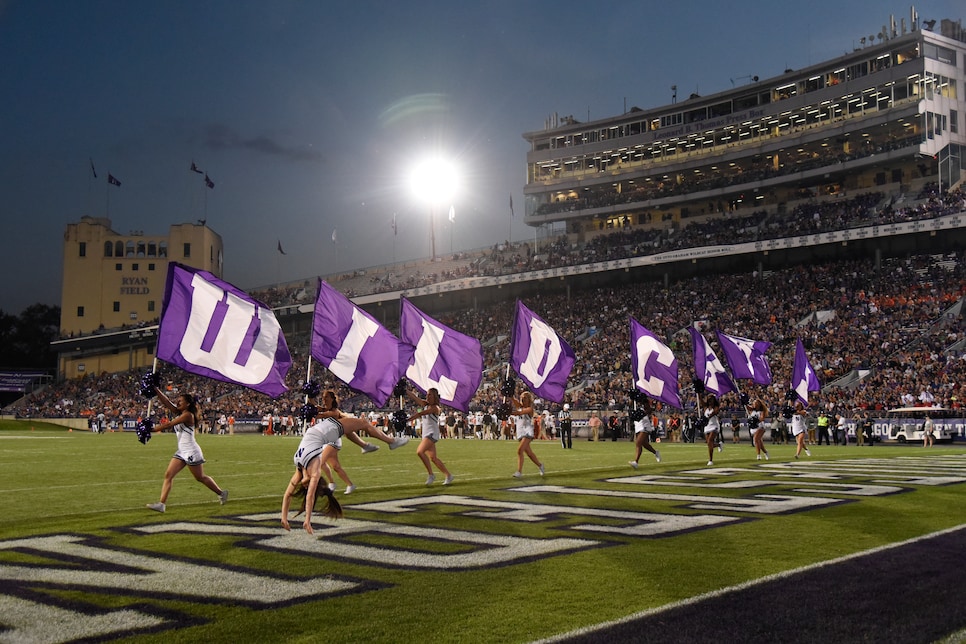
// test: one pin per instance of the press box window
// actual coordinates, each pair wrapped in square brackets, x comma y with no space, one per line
[117,307]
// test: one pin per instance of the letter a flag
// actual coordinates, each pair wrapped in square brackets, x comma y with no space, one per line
[540,357]
[655,369]
[746,357]
[353,346]
[708,368]
[804,378]
[211,328]
[433,355]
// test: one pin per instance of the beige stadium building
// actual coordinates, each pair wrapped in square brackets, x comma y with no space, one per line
[113,287]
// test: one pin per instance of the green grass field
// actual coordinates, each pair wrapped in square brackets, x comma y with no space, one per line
[488,559]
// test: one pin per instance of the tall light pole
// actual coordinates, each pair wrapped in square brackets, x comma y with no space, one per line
[434,181]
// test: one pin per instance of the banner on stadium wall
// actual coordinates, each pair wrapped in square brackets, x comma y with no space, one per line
[20,381]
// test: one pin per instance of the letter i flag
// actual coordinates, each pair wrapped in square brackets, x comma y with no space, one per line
[354,346]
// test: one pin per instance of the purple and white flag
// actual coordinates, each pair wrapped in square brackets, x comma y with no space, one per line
[433,355]
[708,368]
[655,368]
[354,346]
[540,357]
[213,329]
[746,357]
[804,378]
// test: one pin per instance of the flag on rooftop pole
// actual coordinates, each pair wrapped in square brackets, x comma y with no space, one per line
[111,179]
[93,171]
[280,247]
[746,357]
[804,378]
[539,355]
[209,182]
[213,329]
[707,367]
[452,214]
[653,365]
[394,231]
[195,168]
[354,346]
[334,238]
[434,355]
[511,205]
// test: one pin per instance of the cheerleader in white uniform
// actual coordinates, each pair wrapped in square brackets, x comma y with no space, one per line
[189,454]
[642,431]
[522,412]
[429,422]
[712,424]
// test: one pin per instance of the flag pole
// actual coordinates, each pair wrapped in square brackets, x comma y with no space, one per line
[154,369]
[90,183]
[509,223]
[308,378]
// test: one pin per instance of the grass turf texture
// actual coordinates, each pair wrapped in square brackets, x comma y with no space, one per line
[60,482]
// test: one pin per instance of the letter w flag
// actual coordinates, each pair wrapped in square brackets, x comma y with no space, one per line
[541,357]
[213,329]
[746,357]
[353,346]
[708,368]
[655,369]
[434,355]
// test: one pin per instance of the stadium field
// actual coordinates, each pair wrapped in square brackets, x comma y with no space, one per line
[850,544]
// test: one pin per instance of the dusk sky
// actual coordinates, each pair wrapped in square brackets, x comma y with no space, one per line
[309,116]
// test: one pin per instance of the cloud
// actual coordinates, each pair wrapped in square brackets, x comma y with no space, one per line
[222,137]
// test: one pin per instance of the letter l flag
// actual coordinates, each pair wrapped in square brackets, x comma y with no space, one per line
[434,355]
[213,329]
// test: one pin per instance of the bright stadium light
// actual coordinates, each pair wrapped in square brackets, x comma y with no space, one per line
[436,182]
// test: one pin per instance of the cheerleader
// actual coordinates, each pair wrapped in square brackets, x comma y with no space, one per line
[429,423]
[522,411]
[712,425]
[757,412]
[642,431]
[185,425]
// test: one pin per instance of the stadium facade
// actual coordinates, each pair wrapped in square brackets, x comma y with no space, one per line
[113,286]
[877,118]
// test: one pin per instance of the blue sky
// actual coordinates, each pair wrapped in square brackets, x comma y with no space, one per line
[308,116]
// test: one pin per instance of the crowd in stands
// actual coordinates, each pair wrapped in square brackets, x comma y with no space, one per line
[888,321]
[812,216]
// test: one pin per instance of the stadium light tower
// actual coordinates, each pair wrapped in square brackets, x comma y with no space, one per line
[434,181]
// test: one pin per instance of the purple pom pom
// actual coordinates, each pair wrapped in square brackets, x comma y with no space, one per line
[509,387]
[399,421]
[143,430]
[308,412]
[149,381]
[312,389]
